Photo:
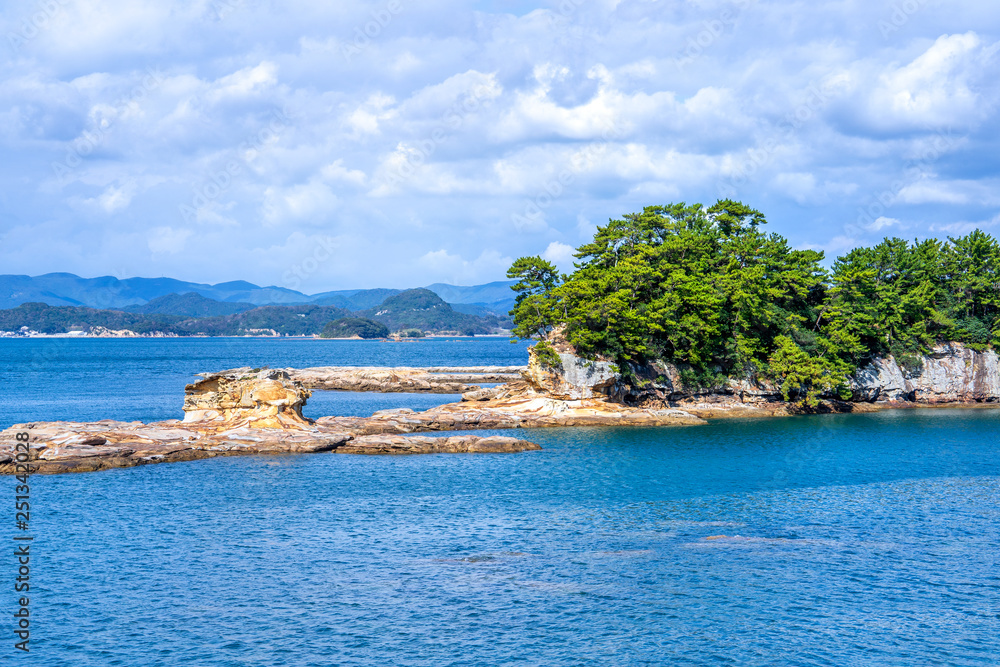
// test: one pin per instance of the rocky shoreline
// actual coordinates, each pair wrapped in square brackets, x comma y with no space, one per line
[259,411]
[951,374]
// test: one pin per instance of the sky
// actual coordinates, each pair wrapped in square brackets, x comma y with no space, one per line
[349,144]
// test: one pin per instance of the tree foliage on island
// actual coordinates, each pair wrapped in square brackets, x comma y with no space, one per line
[903,298]
[706,288]
[535,306]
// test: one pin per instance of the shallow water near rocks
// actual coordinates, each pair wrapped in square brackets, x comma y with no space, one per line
[826,540]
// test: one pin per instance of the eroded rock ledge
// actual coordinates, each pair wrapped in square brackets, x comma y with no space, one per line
[432,380]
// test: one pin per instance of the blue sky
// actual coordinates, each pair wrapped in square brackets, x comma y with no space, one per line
[354,144]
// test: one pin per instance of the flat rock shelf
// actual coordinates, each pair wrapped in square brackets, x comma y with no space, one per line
[432,380]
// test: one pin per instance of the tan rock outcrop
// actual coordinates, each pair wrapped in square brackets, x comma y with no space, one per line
[950,373]
[523,410]
[83,447]
[58,447]
[243,411]
[574,379]
[247,397]
[485,394]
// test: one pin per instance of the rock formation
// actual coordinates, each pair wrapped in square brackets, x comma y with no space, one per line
[414,444]
[253,398]
[951,373]
[527,410]
[242,411]
[253,411]
[656,384]
[574,379]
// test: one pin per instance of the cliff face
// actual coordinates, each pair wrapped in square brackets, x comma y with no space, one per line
[573,379]
[952,373]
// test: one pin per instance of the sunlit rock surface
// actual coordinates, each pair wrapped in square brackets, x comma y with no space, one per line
[254,398]
[433,380]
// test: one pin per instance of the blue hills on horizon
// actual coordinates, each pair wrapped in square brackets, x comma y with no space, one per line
[133,294]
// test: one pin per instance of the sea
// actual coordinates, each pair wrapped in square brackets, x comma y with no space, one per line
[868,539]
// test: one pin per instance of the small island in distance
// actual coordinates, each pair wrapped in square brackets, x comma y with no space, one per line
[355,327]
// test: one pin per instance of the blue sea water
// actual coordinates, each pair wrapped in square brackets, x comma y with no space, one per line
[826,540]
[48,379]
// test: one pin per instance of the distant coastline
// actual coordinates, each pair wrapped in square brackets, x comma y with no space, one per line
[410,313]
[7,335]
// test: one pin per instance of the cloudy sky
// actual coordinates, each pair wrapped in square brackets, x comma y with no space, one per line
[350,144]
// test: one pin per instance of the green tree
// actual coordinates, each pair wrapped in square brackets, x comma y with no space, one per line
[972,265]
[535,304]
[888,298]
[708,289]
[805,376]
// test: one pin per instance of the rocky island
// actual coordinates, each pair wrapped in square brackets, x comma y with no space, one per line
[259,411]
[673,315]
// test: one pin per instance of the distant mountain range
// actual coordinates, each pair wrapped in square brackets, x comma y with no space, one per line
[195,315]
[62,302]
[173,297]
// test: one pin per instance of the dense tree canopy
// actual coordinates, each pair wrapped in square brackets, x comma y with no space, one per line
[706,288]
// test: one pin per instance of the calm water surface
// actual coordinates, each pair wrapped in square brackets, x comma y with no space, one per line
[830,540]
[107,378]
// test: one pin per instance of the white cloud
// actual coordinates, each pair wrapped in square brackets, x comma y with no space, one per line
[167,239]
[561,255]
[431,145]
[311,202]
[114,198]
[452,268]
[945,86]
[249,81]
[964,227]
[336,171]
[882,223]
